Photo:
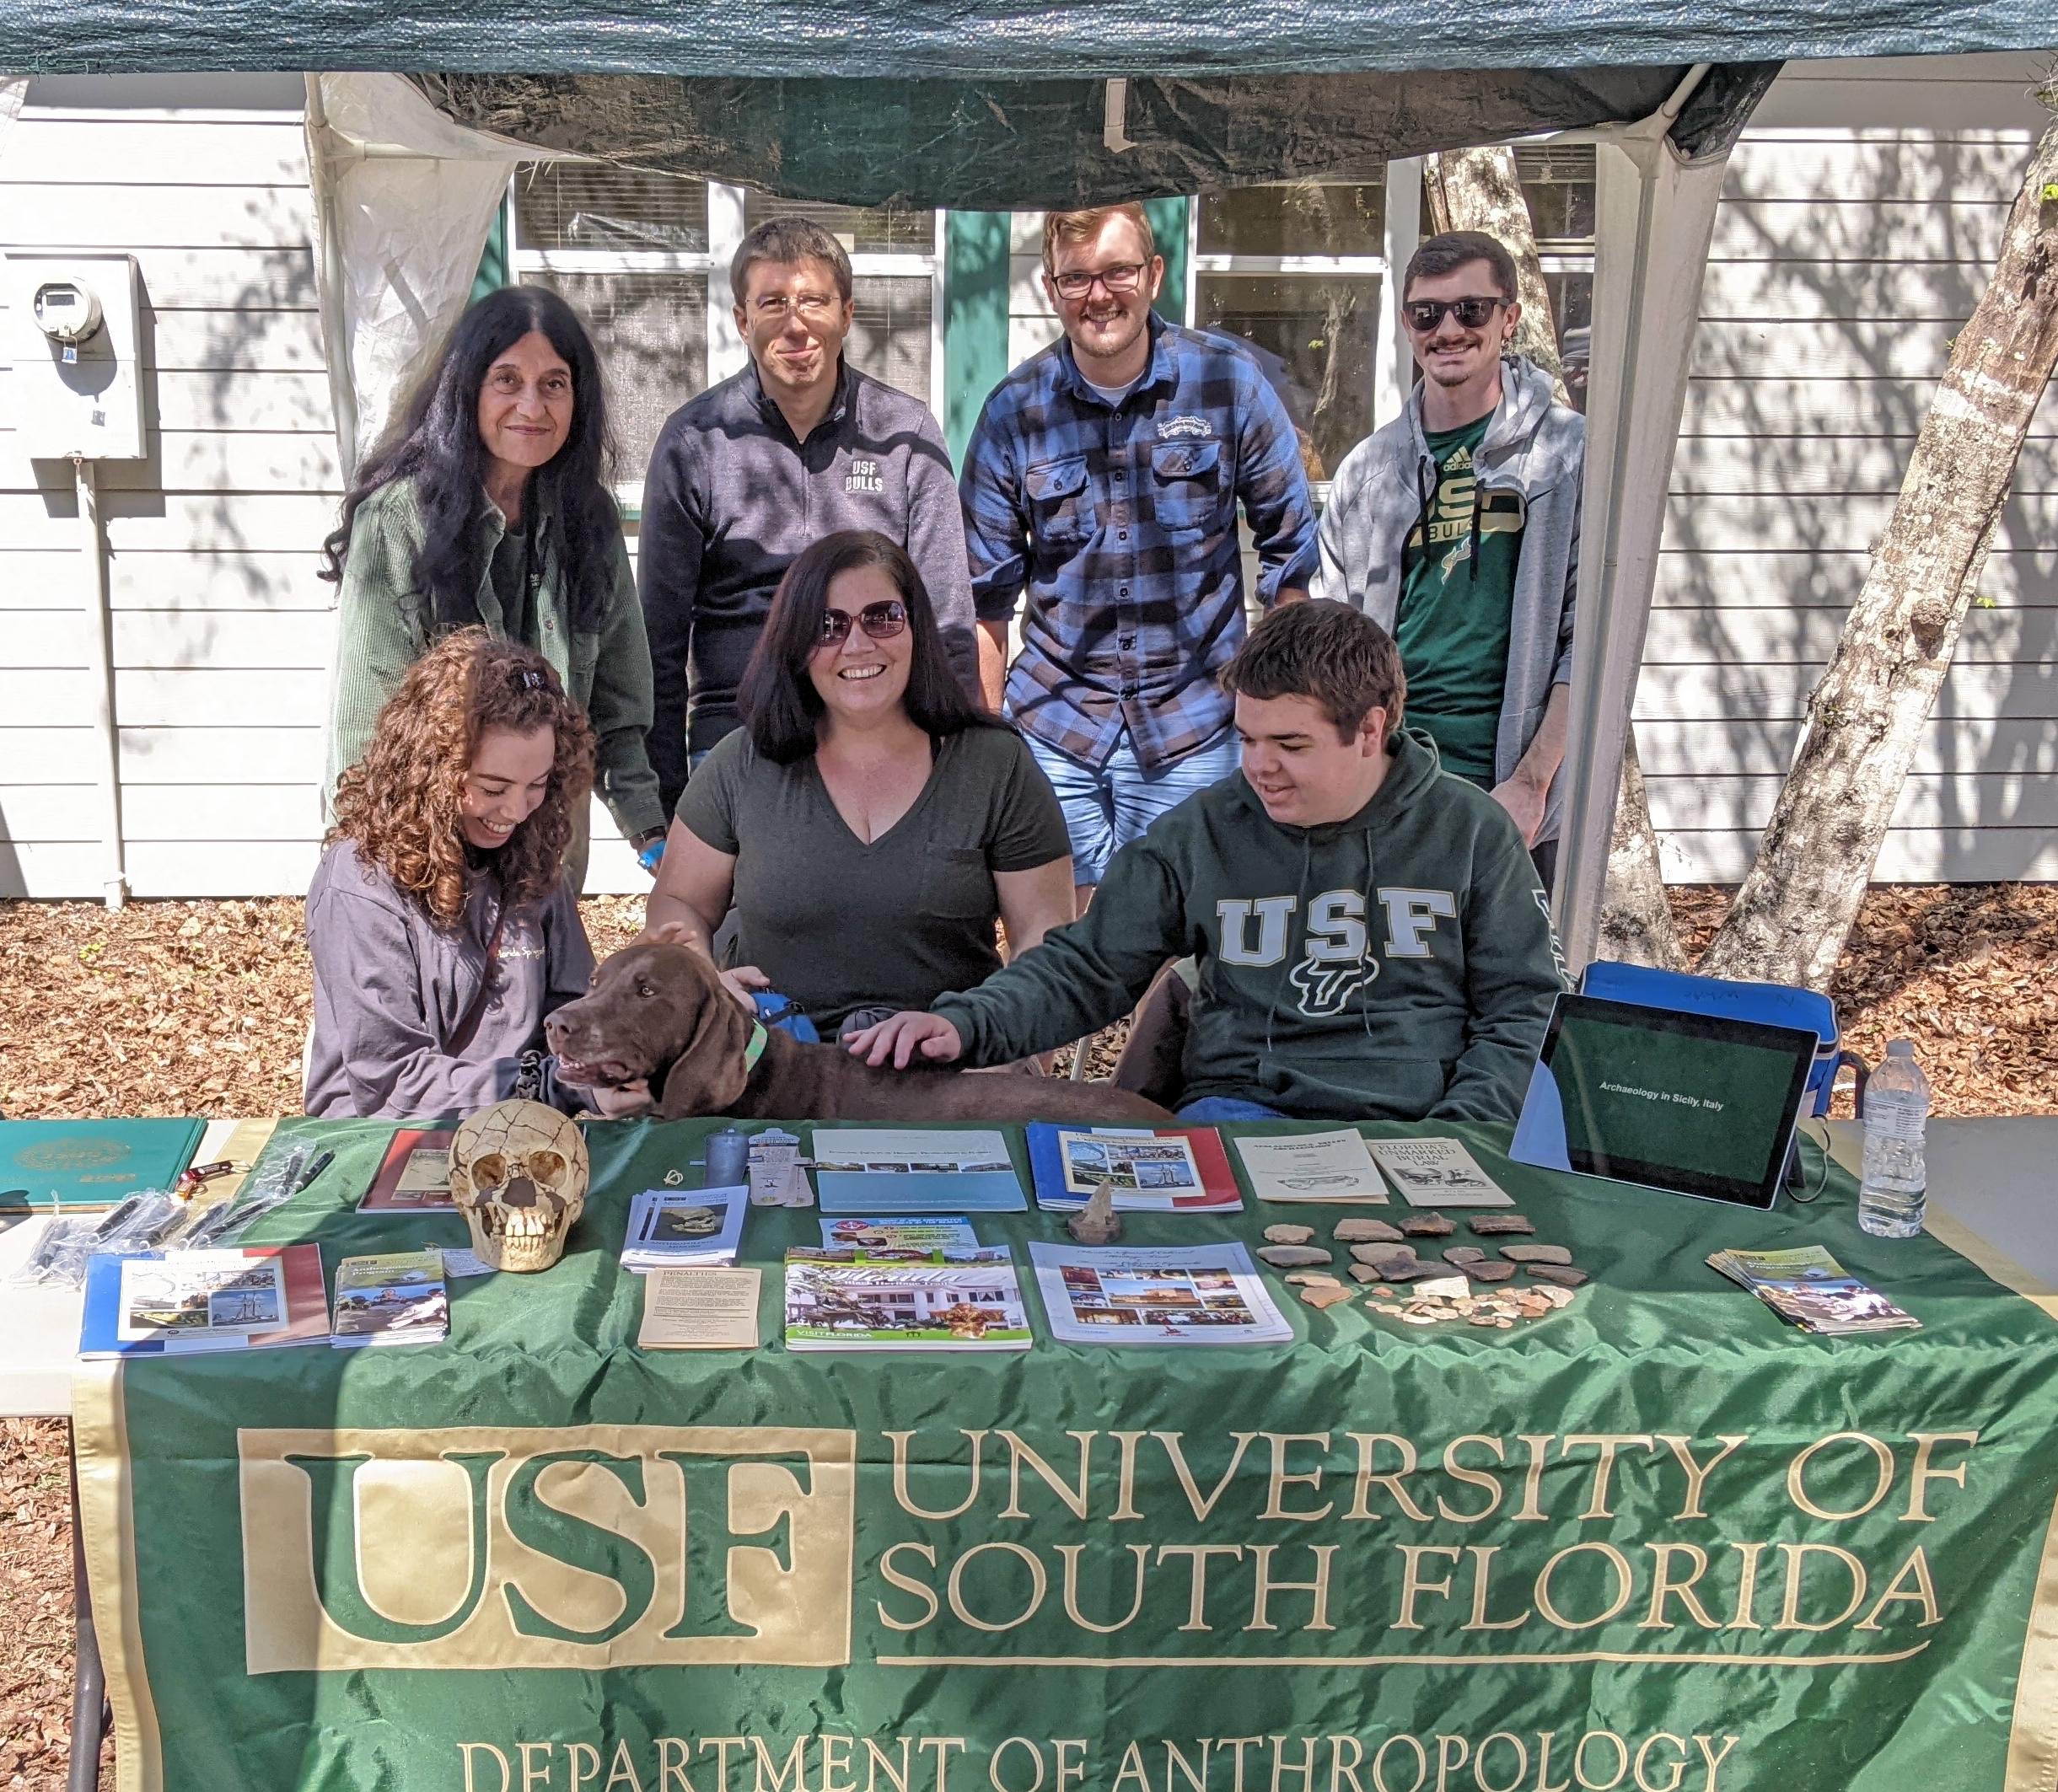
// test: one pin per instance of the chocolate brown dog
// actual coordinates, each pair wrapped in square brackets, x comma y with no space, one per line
[659,1012]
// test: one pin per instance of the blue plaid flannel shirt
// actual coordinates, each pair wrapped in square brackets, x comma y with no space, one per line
[1120,523]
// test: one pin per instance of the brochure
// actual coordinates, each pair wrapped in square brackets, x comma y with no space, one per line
[1812,1289]
[1165,1169]
[1436,1173]
[883,1171]
[700,1310]
[684,1228]
[776,1176]
[959,1301]
[187,1301]
[1313,1167]
[414,1177]
[1204,1295]
[396,1298]
[882,1238]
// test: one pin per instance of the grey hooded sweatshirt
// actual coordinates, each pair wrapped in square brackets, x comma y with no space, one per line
[391,988]
[1535,448]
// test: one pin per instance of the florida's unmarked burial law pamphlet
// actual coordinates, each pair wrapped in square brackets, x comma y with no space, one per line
[700,1310]
[1438,1172]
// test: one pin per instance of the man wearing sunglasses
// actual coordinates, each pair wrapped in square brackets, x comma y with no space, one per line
[1457,528]
[797,446]
[1101,485]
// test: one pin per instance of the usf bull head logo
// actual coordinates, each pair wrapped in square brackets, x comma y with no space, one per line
[1336,961]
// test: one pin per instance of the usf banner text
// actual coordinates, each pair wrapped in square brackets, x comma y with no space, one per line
[1660,1542]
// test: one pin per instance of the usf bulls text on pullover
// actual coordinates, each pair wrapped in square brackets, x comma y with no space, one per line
[1397,965]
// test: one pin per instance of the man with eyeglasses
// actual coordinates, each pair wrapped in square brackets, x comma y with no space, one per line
[1101,485]
[797,446]
[1457,528]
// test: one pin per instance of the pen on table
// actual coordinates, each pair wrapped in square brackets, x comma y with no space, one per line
[316,1165]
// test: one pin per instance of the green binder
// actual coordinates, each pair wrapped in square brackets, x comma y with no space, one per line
[91,1163]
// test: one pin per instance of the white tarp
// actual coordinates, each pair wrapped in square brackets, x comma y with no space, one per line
[403,201]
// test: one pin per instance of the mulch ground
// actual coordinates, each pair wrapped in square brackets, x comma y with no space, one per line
[202,1008]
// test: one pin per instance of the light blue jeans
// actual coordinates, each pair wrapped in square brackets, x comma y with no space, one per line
[1211,1109]
[1107,809]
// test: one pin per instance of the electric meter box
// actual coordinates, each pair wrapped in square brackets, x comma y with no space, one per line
[74,332]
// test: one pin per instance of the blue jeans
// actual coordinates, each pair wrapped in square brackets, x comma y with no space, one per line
[1108,807]
[1210,1109]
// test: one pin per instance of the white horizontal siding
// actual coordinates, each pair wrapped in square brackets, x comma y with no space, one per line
[1861,215]
[221,631]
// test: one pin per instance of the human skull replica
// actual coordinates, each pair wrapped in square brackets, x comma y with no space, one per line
[519,1174]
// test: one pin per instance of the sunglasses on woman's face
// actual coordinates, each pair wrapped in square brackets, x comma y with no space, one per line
[1424,314]
[881,621]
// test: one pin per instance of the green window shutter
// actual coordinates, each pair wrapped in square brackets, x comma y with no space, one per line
[494,273]
[1168,219]
[974,319]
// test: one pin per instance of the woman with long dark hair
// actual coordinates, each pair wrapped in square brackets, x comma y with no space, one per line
[487,505]
[866,824]
[439,921]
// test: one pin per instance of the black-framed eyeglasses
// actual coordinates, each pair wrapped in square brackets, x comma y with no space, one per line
[1123,277]
[882,621]
[1424,314]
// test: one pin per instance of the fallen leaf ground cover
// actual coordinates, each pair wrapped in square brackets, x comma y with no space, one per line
[202,1008]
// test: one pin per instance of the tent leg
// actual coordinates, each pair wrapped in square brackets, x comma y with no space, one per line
[1656,216]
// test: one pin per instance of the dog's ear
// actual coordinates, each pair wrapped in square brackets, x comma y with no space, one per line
[709,1074]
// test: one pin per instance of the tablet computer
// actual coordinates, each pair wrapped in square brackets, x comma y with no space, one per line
[1697,1104]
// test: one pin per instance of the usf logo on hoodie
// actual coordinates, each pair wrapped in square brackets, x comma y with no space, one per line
[1336,960]
[1393,965]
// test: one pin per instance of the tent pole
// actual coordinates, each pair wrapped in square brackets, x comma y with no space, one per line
[333,290]
[1656,213]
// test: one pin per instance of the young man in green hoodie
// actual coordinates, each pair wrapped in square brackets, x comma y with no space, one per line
[1370,937]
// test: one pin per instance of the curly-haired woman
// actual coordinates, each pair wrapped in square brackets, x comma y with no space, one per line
[440,923]
[486,504]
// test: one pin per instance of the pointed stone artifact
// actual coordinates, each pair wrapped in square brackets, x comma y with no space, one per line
[1097,1222]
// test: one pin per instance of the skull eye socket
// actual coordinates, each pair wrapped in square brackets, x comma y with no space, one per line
[546,1168]
[489,1172]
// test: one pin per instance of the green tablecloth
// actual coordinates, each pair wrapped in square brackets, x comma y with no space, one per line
[1661,1540]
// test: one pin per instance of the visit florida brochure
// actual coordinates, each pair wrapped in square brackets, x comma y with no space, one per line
[883,1235]
[684,1228]
[1312,1166]
[956,1301]
[396,1298]
[1436,1173]
[1809,1287]
[1164,1169]
[1198,1295]
[180,1303]
[883,1170]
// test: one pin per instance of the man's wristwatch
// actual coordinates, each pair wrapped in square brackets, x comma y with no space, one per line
[649,848]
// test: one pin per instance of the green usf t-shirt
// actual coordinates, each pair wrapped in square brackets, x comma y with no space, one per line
[1456,597]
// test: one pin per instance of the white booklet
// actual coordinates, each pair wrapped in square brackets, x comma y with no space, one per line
[1312,1166]
[684,1228]
[1194,1294]
[1438,1172]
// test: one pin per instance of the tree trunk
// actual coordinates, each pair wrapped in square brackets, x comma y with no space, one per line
[1481,189]
[1790,920]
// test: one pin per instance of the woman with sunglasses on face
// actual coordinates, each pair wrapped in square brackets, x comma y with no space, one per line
[487,505]
[867,826]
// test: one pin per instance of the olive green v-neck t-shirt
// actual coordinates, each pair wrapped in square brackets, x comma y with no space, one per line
[838,925]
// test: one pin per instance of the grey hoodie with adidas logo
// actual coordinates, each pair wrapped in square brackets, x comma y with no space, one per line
[1535,448]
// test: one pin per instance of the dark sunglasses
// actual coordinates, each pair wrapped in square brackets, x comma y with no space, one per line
[1424,314]
[881,621]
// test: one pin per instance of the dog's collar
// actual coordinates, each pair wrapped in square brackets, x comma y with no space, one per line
[755,1049]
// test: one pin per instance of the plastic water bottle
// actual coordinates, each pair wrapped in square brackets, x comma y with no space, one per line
[1891,1197]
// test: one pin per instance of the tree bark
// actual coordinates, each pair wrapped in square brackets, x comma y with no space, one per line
[1481,189]
[1794,912]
